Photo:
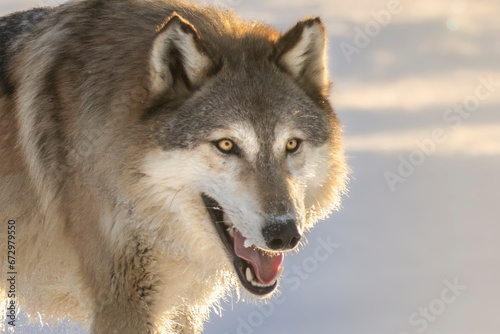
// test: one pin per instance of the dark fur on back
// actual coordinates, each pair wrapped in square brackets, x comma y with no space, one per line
[11,28]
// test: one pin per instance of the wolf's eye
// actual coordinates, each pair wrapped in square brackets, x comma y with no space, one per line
[227,146]
[292,145]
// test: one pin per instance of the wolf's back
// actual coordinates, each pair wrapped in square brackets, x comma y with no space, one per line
[12,27]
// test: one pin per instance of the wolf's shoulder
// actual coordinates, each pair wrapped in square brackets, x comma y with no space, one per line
[12,27]
[19,23]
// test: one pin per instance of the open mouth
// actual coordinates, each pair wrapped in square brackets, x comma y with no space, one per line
[257,269]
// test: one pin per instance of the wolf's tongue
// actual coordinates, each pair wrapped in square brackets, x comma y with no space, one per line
[265,266]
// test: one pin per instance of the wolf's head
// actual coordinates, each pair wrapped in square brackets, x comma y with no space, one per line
[246,147]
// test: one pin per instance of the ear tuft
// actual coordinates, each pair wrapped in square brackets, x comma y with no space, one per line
[178,60]
[301,52]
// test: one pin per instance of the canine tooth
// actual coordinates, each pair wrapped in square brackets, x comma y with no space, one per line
[249,275]
[231,232]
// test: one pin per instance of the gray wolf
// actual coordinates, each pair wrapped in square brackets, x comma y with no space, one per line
[157,155]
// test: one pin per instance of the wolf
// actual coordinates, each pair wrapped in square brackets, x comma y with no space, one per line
[157,155]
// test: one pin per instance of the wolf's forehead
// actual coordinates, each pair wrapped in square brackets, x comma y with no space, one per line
[256,119]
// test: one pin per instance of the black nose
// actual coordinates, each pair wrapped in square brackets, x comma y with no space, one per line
[281,234]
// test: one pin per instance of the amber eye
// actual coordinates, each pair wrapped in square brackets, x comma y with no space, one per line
[225,145]
[292,145]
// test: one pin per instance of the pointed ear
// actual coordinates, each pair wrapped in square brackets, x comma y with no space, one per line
[178,60]
[301,52]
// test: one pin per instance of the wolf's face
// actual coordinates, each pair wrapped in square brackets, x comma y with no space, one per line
[250,157]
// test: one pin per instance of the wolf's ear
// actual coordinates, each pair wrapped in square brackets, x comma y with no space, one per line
[301,52]
[178,59]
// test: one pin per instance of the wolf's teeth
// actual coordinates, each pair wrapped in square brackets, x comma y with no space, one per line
[249,275]
[260,285]
[231,232]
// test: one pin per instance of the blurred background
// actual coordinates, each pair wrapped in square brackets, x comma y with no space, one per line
[415,247]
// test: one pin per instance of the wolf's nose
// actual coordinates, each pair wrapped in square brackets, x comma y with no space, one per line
[281,234]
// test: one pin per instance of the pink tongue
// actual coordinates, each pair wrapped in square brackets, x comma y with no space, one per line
[264,265]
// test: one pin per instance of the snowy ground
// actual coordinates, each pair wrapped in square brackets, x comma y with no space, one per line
[415,246]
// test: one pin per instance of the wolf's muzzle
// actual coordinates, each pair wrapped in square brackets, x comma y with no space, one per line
[257,270]
[281,234]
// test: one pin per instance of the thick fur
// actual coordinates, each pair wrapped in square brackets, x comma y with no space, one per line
[109,110]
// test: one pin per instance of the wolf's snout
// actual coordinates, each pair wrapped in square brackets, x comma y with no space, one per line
[281,234]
